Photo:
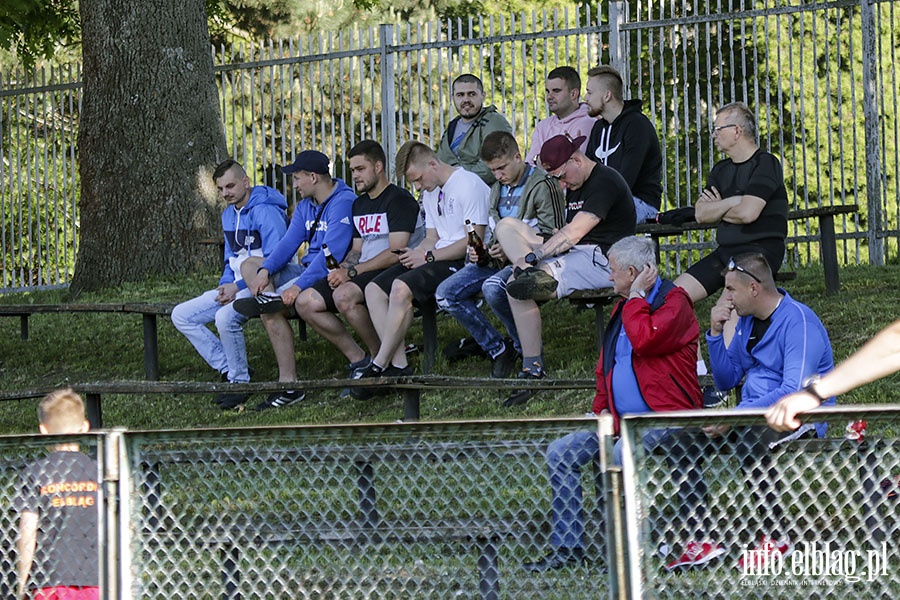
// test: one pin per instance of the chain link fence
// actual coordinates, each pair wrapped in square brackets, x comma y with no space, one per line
[830,504]
[455,510]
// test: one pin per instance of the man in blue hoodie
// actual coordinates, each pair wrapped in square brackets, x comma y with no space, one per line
[323,217]
[253,223]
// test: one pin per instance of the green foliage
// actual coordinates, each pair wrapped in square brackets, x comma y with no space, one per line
[34,28]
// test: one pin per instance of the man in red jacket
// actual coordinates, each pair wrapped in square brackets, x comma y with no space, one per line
[648,363]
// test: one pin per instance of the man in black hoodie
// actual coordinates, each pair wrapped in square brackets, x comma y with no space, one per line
[624,139]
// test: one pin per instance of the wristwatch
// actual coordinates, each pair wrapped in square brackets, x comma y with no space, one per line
[351,272]
[429,257]
[640,293]
[809,386]
[531,258]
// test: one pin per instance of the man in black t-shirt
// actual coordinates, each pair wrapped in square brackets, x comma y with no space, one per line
[58,505]
[746,196]
[599,212]
[385,218]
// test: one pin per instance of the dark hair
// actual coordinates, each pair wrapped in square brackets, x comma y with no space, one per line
[610,77]
[225,166]
[371,150]
[567,74]
[468,78]
[499,144]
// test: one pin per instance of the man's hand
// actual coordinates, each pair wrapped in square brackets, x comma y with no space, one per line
[646,279]
[413,258]
[226,293]
[710,195]
[471,254]
[782,416]
[337,277]
[716,431]
[260,282]
[289,296]
[497,252]
[719,315]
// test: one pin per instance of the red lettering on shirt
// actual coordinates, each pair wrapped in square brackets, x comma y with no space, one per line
[371,224]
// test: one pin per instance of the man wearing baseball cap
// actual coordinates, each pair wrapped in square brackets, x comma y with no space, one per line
[599,212]
[322,216]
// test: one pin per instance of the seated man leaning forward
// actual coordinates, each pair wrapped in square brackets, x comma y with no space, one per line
[450,197]
[778,345]
[253,223]
[322,217]
[599,212]
[646,364]
[385,220]
[522,192]
[745,195]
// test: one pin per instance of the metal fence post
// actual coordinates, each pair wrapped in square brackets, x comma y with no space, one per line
[872,124]
[615,534]
[111,556]
[388,99]
[618,43]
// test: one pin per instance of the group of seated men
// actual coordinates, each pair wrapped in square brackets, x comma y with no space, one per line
[557,219]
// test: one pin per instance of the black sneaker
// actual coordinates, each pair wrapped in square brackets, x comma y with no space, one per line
[355,372]
[227,401]
[393,371]
[364,393]
[259,305]
[280,399]
[522,396]
[503,364]
[713,396]
[558,558]
[533,284]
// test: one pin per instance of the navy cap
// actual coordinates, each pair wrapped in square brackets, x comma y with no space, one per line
[311,161]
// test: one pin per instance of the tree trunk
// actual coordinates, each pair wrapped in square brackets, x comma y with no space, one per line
[149,137]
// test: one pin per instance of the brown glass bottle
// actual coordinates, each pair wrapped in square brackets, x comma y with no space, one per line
[330,261]
[477,245]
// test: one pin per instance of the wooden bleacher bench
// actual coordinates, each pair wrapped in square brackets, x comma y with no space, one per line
[148,311]
[827,238]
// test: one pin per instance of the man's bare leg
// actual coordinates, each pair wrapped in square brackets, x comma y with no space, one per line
[351,303]
[311,307]
[516,238]
[397,319]
[281,335]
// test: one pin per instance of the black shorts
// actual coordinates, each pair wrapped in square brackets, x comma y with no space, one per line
[709,271]
[422,281]
[327,293]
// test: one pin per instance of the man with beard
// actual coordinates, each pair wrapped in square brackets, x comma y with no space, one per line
[461,143]
[625,140]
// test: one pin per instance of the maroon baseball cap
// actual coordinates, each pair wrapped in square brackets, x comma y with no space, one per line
[558,150]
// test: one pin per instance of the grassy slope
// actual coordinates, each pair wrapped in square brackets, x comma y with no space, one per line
[96,347]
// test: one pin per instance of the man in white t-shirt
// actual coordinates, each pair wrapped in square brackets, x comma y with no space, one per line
[450,196]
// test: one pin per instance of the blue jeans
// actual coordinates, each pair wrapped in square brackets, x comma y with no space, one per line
[494,291]
[567,455]
[456,295]
[225,353]
[643,211]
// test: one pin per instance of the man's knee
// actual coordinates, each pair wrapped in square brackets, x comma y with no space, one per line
[347,297]
[400,293]
[309,301]
[250,266]
[228,319]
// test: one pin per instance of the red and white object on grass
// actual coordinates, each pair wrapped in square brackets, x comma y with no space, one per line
[856,430]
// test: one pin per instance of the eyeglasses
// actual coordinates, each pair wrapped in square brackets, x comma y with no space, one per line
[560,171]
[440,199]
[734,267]
[716,130]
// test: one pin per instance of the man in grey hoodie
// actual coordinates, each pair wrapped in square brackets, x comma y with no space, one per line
[461,143]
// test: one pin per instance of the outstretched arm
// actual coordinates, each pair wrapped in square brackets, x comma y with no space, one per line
[879,357]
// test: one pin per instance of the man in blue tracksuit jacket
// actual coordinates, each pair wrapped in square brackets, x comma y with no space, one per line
[253,223]
[322,218]
[778,347]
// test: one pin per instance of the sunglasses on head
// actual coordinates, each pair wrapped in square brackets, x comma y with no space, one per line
[735,267]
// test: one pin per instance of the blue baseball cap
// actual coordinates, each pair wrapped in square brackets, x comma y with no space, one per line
[311,161]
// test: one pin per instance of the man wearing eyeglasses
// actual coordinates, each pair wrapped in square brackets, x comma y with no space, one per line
[745,195]
[778,346]
[450,196]
[599,212]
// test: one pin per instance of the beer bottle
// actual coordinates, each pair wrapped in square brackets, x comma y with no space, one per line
[330,261]
[477,245]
